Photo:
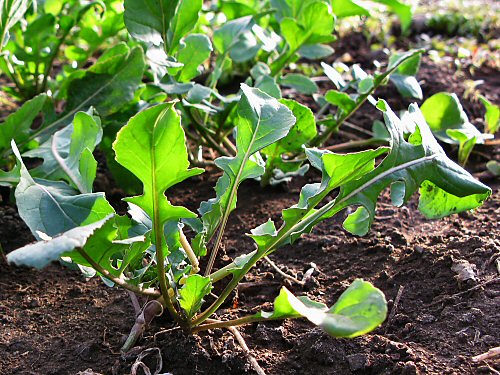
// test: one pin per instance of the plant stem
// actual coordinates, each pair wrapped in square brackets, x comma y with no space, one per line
[204,132]
[12,75]
[224,324]
[227,291]
[246,350]
[116,280]
[158,238]
[189,252]
[232,196]
[150,311]
[226,271]
[50,63]
[230,145]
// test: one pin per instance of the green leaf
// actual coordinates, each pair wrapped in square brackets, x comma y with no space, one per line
[315,51]
[10,178]
[358,222]
[337,169]
[109,249]
[404,77]
[341,100]
[231,34]
[443,111]
[262,120]
[407,86]
[466,144]
[109,84]
[153,147]
[40,254]
[492,115]
[195,51]
[192,293]
[348,8]
[54,207]
[299,82]
[409,162]
[421,159]
[288,8]
[17,126]
[183,21]
[237,9]
[313,24]
[11,11]
[436,202]
[68,155]
[409,67]
[333,75]
[301,133]
[161,21]
[359,310]
[494,167]
[302,23]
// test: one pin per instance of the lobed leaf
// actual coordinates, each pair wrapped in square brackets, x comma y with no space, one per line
[54,207]
[262,120]
[360,309]
[193,292]
[40,254]
[67,155]
[153,147]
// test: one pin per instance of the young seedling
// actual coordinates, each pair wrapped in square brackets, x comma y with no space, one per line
[148,254]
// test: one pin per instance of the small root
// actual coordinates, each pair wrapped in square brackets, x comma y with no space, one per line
[279,271]
[490,354]
[255,365]
[139,364]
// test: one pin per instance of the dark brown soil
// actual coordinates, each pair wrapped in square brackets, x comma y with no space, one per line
[56,322]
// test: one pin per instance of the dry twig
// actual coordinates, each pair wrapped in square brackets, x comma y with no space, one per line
[285,275]
[246,350]
[490,354]
[394,307]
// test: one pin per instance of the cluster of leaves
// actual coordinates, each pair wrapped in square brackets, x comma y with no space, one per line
[147,251]
[274,139]
[450,124]
[65,31]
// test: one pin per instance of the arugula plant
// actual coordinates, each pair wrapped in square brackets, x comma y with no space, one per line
[32,50]
[108,87]
[284,160]
[193,53]
[449,123]
[148,253]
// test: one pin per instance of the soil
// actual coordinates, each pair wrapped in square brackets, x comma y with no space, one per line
[56,322]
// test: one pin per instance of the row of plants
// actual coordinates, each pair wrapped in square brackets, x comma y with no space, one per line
[159,95]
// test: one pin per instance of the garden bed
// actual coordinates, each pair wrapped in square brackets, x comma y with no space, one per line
[56,322]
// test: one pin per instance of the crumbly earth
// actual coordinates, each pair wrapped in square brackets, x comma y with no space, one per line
[56,322]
